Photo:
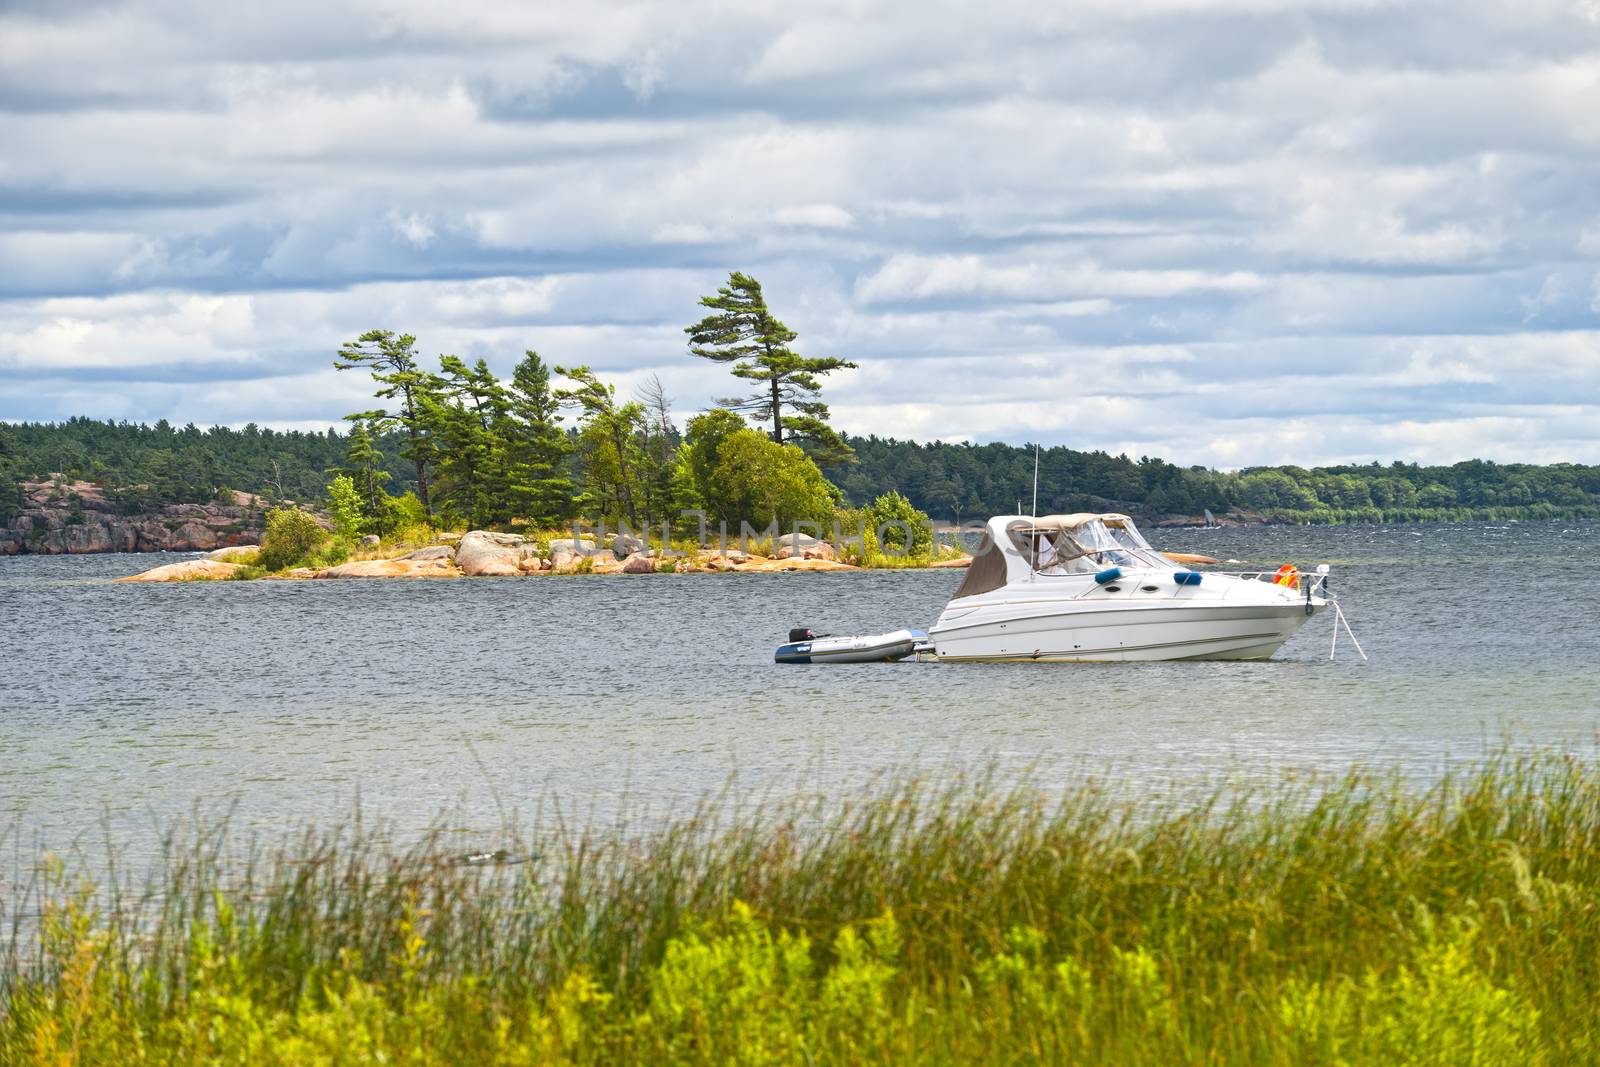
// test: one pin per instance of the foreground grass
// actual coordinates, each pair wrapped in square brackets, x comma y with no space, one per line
[1346,922]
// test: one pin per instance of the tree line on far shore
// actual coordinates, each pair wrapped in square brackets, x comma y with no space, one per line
[965,481]
[458,446]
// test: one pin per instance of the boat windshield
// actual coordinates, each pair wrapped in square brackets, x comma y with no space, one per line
[1089,547]
[1128,535]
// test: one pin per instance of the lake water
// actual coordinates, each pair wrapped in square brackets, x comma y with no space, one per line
[286,703]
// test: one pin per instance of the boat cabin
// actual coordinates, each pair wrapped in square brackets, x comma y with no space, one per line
[1017,548]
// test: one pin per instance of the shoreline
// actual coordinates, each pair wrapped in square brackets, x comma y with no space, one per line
[484,554]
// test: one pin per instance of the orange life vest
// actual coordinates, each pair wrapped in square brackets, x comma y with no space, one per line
[1288,575]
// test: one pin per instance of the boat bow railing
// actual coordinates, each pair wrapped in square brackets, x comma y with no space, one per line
[1312,585]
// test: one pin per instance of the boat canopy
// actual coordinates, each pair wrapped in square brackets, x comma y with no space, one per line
[1082,520]
[1050,545]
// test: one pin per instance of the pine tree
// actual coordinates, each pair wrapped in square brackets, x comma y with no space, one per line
[742,331]
[467,409]
[609,438]
[10,480]
[392,361]
[538,487]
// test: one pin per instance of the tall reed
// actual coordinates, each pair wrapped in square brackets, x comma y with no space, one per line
[1354,920]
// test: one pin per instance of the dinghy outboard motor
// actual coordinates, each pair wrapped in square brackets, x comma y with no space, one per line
[801,633]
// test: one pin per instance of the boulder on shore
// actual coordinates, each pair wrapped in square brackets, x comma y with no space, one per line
[483,553]
[432,552]
[798,544]
[393,568]
[944,564]
[190,570]
[625,545]
[639,563]
[564,553]
[730,560]
[245,554]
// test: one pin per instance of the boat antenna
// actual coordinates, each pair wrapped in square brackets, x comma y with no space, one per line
[1036,481]
[1033,542]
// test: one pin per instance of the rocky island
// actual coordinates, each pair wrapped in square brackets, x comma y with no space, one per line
[61,516]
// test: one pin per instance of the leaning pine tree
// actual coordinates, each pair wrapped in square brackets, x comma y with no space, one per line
[393,362]
[740,330]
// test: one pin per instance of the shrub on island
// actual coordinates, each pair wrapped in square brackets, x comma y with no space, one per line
[291,537]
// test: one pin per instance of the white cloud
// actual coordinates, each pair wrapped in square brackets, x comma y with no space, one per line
[1589,239]
[143,330]
[818,216]
[416,228]
[919,278]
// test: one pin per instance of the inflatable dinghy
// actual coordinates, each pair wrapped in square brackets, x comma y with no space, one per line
[807,647]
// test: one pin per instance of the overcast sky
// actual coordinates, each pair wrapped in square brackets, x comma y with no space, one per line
[1229,232]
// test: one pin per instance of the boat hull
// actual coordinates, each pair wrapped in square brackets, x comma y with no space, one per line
[1157,632]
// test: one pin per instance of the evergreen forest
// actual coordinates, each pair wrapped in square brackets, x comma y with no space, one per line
[153,465]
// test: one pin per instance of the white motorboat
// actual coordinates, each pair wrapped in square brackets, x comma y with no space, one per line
[1065,588]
